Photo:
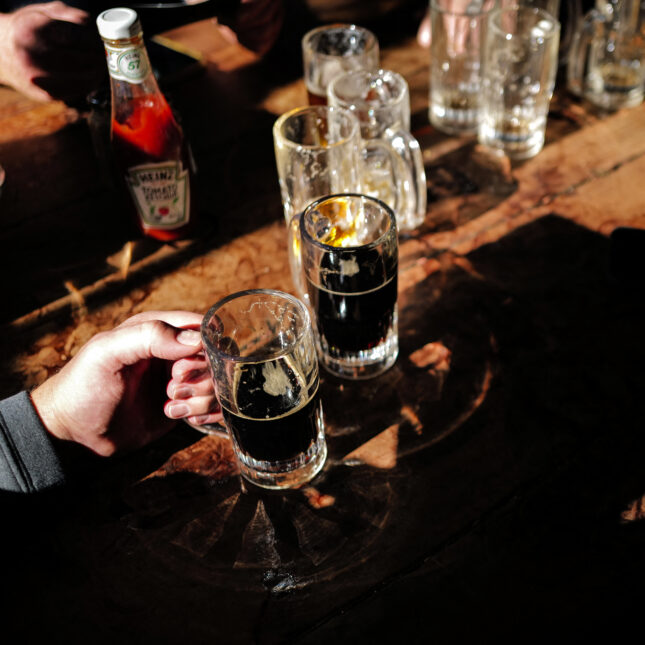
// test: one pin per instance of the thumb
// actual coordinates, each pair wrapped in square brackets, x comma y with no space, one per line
[149,339]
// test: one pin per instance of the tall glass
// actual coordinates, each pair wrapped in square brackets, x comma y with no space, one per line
[350,262]
[458,36]
[381,101]
[520,60]
[262,356]
[330,50]
[319,151]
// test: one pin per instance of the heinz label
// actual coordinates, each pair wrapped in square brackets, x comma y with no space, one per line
[127,64]
[161,193]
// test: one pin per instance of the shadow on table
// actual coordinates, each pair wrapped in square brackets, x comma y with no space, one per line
[475,490]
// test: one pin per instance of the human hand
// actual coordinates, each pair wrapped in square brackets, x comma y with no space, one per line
[456,25]
[110,396]
[256,24]
[50,51]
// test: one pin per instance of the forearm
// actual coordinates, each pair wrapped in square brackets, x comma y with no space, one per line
[28,459]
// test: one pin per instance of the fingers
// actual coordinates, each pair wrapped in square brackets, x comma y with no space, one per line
[192,393]
[424,32]
[178,318]
[61,11]
[198,409]
[129,344]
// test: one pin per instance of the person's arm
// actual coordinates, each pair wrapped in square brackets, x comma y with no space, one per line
[50,51]
[28,459]
[109,398]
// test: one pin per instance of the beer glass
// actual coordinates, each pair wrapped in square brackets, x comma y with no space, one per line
[381,101]
[458,35]
[319,151]
[520,65]
[333,49]
[350,258]
[262,356]
[607,56]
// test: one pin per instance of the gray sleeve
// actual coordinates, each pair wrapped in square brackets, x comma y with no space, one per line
[28,460]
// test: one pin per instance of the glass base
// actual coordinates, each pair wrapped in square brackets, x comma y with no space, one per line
[518,144]
[366,364]
[454,122]
[287,477]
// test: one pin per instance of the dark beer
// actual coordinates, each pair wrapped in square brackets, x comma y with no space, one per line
[354,313]
[273,427]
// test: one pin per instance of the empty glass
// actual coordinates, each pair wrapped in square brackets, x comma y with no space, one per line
[319,152]
[381,101]
[332,50]
[607,56]
[458,36]
[520,65]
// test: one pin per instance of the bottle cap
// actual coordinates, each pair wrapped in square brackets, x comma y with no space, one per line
[115,24]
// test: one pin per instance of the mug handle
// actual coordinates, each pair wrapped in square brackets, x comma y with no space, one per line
[393,171]
[580,50]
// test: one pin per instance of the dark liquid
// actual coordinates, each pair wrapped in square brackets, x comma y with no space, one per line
[316,99]
[276,439]
[361,319]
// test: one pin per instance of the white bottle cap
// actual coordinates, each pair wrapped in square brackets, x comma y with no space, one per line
[118,23]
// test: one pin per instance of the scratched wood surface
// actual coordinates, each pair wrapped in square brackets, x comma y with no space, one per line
[488,486]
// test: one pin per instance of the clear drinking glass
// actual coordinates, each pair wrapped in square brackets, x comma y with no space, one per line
[262,356]
[607,56]
[381,101]
[458,35]
[319,152]
[520,65]
[330,50]
[350,261]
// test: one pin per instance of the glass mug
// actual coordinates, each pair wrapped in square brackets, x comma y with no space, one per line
[381,101]
[262,356]
[607,56]
[350,261]
[520,66]
[331,50]
[458,36]
[319,151]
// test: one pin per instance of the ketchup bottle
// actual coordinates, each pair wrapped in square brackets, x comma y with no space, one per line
[148,144]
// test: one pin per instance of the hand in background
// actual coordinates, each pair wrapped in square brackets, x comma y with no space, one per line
[111,395]
[256,24]
[50,51]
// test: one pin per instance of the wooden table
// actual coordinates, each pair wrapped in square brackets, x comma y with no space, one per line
[488,486]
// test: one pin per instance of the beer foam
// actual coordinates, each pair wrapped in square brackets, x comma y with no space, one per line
[276,381]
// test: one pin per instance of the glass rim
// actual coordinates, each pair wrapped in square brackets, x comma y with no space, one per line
[371,43]
[283,118]
[284,351]
[361,102]
[497,13]
[472,15]
[341,249]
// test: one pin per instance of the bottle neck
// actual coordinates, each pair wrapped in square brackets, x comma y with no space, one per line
[129,67]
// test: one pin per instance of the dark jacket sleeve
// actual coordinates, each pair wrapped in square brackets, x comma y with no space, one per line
[28,459]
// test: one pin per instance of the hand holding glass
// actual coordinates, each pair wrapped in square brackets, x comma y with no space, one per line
[262,355]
